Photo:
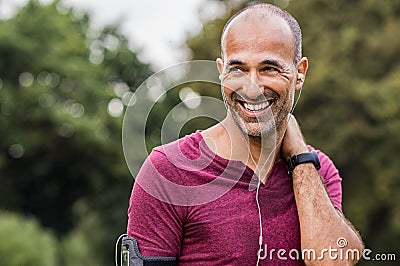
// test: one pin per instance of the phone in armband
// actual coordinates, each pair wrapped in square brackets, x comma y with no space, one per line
[124,255]
[131,256]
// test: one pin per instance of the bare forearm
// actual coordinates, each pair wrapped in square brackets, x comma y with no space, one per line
[320,224]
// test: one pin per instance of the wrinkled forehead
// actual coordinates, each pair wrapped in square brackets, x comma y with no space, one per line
[257,26]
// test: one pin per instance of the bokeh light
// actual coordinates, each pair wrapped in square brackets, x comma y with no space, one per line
[16,151]
[115,107]
[26,79]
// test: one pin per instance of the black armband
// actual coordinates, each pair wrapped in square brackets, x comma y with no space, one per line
[131,256]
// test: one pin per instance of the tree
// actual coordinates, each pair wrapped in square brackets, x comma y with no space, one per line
[63,86]
[348,107]
[25,242]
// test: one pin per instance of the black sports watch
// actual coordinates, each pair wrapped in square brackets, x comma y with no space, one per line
[307,157]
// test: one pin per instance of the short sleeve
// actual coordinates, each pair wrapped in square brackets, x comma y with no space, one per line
[331,179]
[155,224]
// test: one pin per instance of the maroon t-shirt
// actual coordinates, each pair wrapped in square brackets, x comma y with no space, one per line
[190,203]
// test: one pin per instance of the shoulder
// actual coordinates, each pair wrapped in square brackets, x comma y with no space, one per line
[174,152]
[168,160]
[163,173]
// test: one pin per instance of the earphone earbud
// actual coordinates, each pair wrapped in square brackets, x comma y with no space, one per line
[300,77]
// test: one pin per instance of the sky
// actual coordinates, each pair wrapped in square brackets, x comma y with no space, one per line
[157,29]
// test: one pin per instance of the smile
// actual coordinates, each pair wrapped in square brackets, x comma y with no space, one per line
[256,107]
[253,110]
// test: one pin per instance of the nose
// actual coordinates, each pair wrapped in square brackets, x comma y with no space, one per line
[252,87]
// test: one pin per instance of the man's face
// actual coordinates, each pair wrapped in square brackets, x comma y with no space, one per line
[258,73]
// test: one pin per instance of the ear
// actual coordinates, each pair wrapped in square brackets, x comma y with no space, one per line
[301,69]
[220,66]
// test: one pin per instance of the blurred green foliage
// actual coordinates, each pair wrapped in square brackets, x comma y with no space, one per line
[349,106]
[62,158]
[24,242]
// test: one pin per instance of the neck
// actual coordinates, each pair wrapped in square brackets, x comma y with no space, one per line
[262,148]
[228,141]
[264,151]
[259,153]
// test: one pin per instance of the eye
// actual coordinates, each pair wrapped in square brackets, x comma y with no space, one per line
[269,69]
[234,69]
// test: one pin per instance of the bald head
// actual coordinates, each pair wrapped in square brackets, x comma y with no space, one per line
[263,13]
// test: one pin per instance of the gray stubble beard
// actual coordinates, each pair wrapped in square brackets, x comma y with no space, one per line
[264,129]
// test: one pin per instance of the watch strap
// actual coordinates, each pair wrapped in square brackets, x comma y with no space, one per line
[307,157]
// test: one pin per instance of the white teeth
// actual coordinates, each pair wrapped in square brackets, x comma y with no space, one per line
[256,107]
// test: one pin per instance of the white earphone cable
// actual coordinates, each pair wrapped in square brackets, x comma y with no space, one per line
[116,248]
[260,238]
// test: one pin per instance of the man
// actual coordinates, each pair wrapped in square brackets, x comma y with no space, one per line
[261,214]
